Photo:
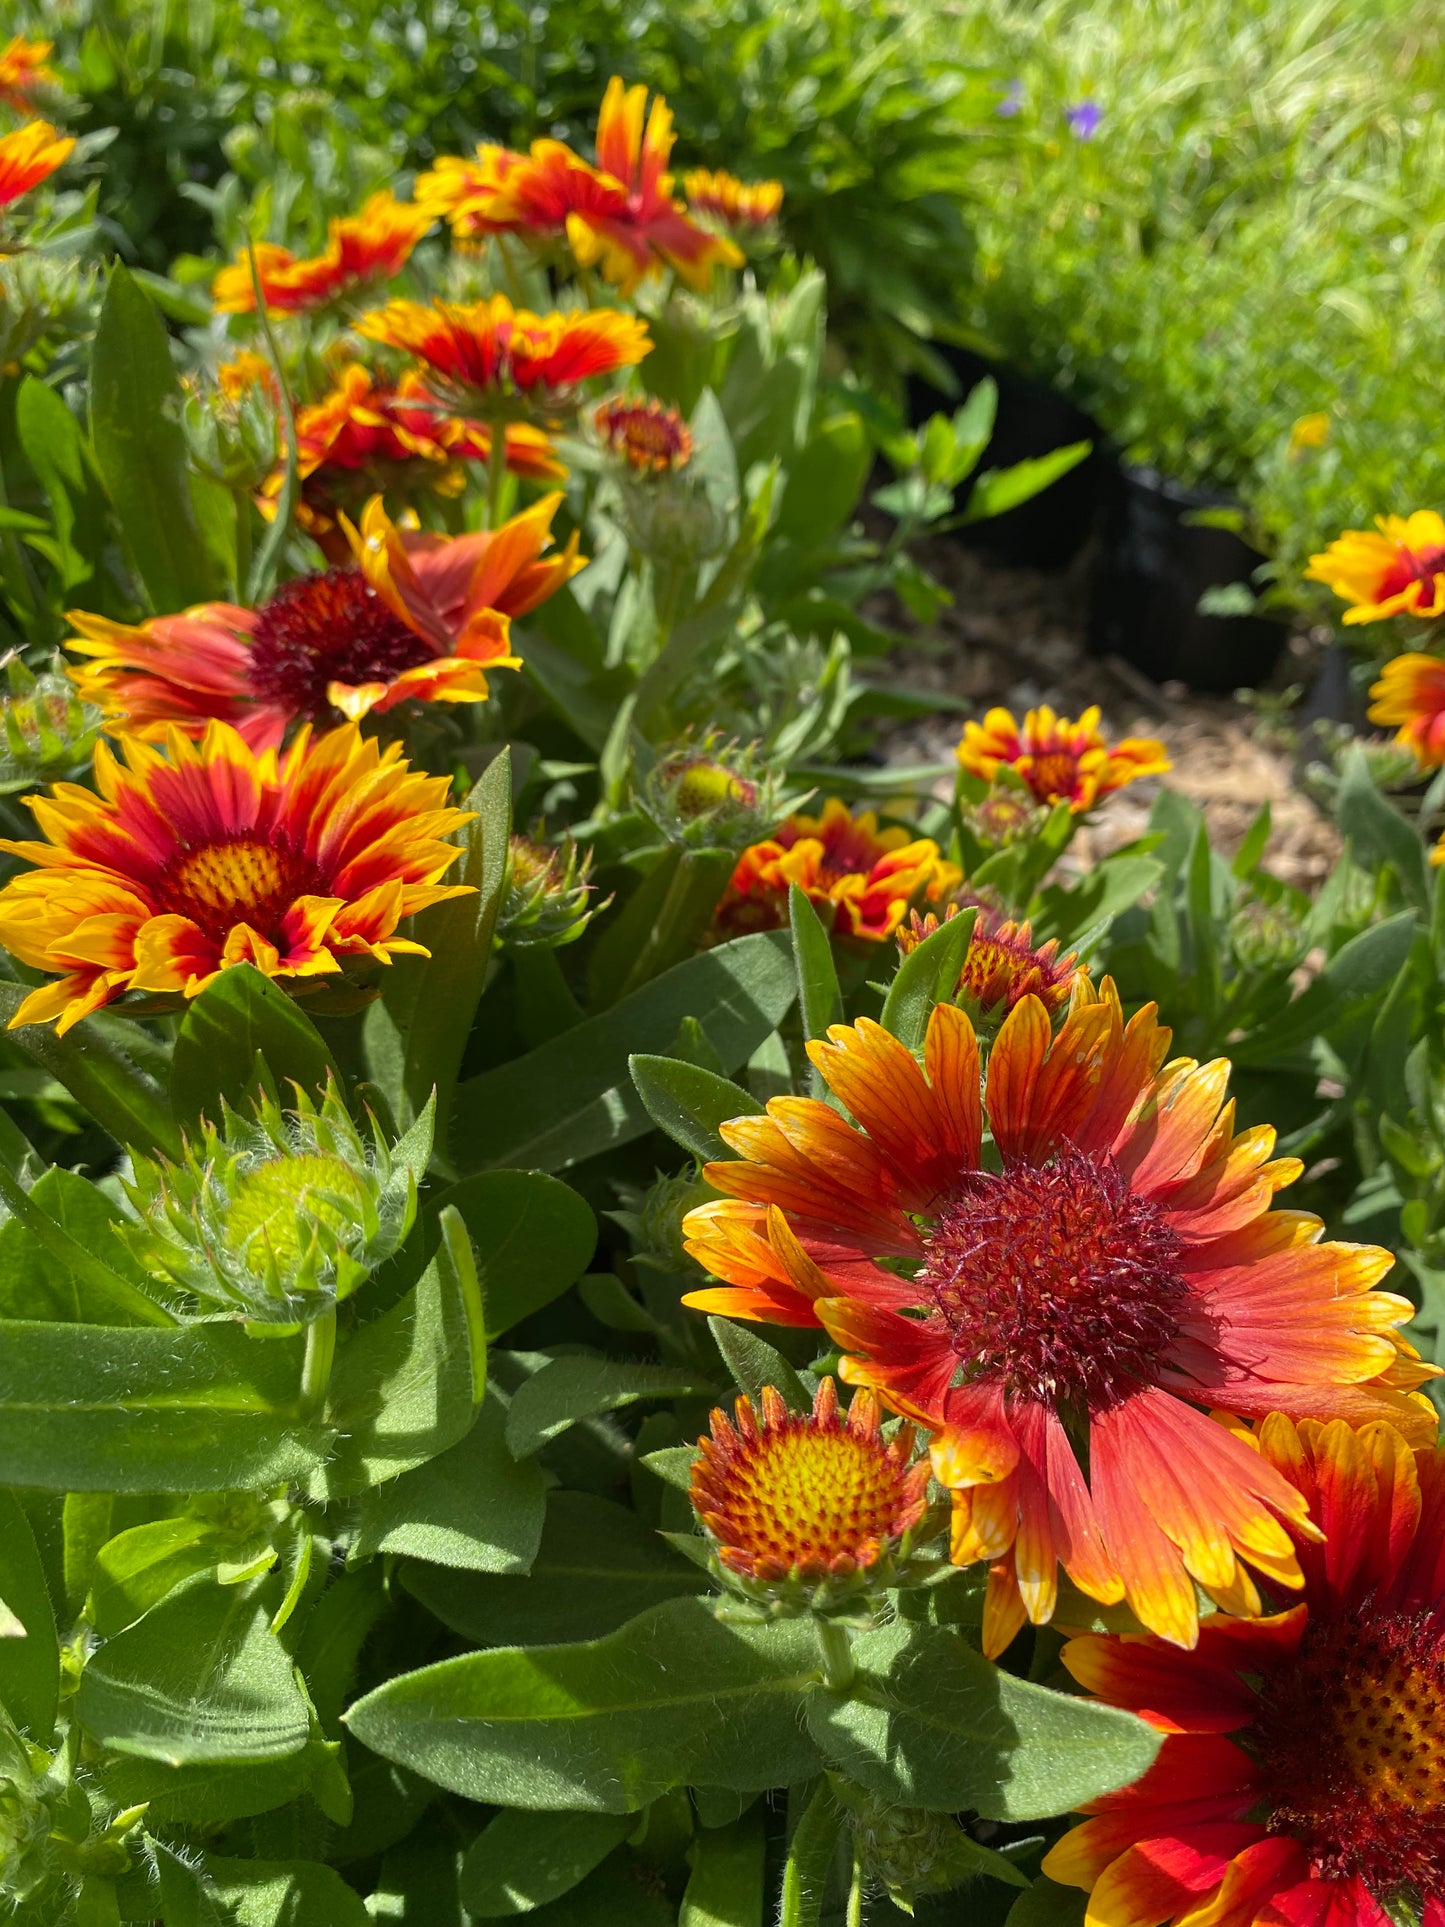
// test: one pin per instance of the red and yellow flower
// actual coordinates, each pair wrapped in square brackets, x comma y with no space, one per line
[23,71]
[1301,1782]
[863,878]
[1397,568]
[720,196]
[1084,1304]
[489,348]
[207,855]
[28,156]
[368,435]
[1411,695]
[620,214]
[1002,964]
[422,618]
[648,435]
[809,1498]
[1058,760]
[374,245]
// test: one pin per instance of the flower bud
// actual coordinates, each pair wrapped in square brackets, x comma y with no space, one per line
[650,438]
[712,794]
[48,730]
[1001,965]
[547,899]
[908,1851]
[654,1219]
[1264,936]
[278,1216]
[231,424]
[26,1818]
[1004,818]
[814,1512]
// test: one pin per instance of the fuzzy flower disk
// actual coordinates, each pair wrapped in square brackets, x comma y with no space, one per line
[649,436]
[865,878]
[1411,695]
[28,156]
[1058,760]
[810,1497]
[1002,964]
[1397,568]
[1301,1782]
[1086,1303]
[208,855]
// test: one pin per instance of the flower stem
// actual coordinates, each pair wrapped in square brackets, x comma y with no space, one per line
[835,1647]
[316,1366]
[855,1896]
[496,472]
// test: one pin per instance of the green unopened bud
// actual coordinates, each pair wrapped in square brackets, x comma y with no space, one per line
[230,423]
[655,1220]
[713,794]
[47,730]
[26,1818]
[1004,818]
[1264,936]
[908,1851]
[278,1216]
[548,897]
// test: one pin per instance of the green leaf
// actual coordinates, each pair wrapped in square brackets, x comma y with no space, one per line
[931,1723]
[573,1097]
[102,1074]
[522,1860]
[55,448]
[663,921]
[535,1235]
[242,1016]
[928,975]
[434,999]
[284,1893]
[200,1680]
[597,1566]
[408,1385]
[1358,973]
[689,1103]
[727,1885]
[820,1001]
[825,479]
[29,1657]
[675,1696]
[1046,1904]
[61,1257]
[199,1408]
[755,1363]
[136,1569]
[185,1894]
[998,490]
[210,1796]
[135,426]
[580,1386]
[1376,832]
[473,1506]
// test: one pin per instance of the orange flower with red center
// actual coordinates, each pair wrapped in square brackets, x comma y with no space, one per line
[468,194]
[1001,965]
[864,878]
[367,436]
[208,856]
[1302,1778]
[28,156]
[1059,761]
[495,350]
[807,1498]
[424,617]
[1083,1302]
[374,245]
[1399,570]
[719,196]
[1411,694]
[648,435]
[23,70]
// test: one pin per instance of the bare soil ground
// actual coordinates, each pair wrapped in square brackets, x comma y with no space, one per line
[1017,637]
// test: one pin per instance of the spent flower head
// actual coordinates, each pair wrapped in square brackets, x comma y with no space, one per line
[277,1216]
[548,896]
[48,728]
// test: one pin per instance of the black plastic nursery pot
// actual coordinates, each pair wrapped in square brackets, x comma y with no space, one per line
[1152,567]
[1048,531]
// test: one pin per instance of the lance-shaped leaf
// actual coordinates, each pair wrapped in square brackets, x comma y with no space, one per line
[241,1036]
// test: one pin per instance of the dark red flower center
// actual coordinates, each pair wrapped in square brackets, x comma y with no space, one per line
[1053,777]
[1057,1279]
[1351,1741]
[243,880]
[1411,565]
[328,628]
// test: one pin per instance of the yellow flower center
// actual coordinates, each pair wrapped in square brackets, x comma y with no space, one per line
[807,1499]
[275,1205]
[219,885]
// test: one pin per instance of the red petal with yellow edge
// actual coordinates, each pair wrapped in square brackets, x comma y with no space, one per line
[1324,1903]
[1155,1583]
[896,1356]
[881,1083]
[1254,1875]
[976,1444]
[1035,1551]
[1157,1879]
[1206,1694]
[1192,1783]
[1080,1538]
[65,1001]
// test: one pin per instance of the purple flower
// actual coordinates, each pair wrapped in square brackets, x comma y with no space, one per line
[1013,100]
[1083,119]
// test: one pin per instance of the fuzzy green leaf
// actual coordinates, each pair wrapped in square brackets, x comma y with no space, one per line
[29,1658]
[520,1861]
[241,1016]
[689,1103]
[534,1235]
[927,976]
[579,1386]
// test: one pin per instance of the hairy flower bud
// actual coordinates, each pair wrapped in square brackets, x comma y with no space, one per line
[26,1818]
[712,794]
[232,424]
[548,896]
[908,1851]
[48,729]
[278,1216]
